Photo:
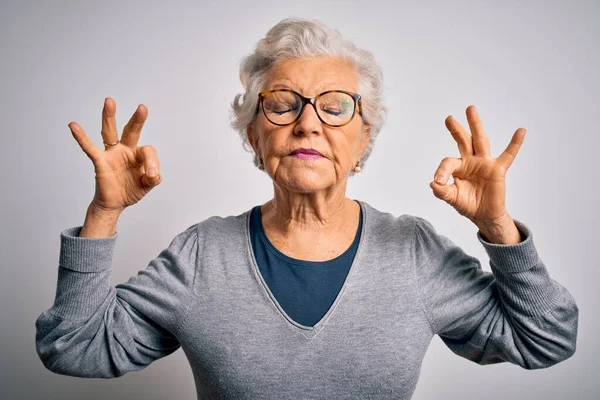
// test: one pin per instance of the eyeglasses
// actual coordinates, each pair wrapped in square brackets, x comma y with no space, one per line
[334,107]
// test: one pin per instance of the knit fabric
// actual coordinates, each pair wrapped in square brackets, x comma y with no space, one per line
[204,293]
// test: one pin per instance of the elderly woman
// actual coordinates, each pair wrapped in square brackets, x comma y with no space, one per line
[312,294]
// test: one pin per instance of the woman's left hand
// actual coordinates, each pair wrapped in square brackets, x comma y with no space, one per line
[478,191]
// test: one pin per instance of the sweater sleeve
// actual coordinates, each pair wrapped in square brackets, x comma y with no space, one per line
[516,313]
[96,330]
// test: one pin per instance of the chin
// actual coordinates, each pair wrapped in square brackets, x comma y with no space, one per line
[305,182]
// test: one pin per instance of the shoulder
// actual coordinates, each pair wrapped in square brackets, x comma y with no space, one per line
[388,231]
[217,224]
[406,228]
[219,229]
[214,232]
[388,223]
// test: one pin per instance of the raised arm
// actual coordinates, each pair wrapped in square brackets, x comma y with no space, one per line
[97,330]
[517,313]
[94,329]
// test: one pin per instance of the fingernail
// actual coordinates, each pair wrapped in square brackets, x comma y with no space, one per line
[152,172]
[439,179]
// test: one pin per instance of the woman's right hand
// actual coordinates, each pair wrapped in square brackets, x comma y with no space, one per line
[124,172]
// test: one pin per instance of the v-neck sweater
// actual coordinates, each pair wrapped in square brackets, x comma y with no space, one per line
[305,290]
[204,293]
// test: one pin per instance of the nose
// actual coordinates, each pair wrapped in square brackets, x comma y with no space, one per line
[308,122]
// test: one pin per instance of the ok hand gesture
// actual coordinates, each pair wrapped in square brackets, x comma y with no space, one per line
[478,191]
[124,172]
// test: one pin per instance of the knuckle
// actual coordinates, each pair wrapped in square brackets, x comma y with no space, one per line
[149,149]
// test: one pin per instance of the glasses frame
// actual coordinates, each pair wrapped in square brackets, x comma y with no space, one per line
[312,101]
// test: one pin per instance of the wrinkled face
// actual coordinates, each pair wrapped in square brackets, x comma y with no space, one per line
[340,147]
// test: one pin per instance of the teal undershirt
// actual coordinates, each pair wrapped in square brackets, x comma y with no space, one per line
[305,290]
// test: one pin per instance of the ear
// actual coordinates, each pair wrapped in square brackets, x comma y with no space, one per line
[252,137]
[365,138]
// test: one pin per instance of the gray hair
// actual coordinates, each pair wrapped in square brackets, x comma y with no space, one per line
[294,38]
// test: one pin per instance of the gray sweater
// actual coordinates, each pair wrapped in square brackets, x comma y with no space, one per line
[205,294]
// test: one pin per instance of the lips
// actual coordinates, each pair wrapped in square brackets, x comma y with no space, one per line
[302,150]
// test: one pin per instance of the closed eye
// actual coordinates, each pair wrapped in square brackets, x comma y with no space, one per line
[281,112]
[332,112]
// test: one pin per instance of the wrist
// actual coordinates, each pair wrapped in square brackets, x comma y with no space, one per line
[98,211]
[99,222]
[502,230]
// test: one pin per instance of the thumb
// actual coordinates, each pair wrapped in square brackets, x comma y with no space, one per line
[443,192]
[151,181]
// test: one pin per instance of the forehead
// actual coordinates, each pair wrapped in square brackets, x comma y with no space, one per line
[311,76]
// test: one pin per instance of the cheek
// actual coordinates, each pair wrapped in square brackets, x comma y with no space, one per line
[263,135]
[344,146]
[273,143]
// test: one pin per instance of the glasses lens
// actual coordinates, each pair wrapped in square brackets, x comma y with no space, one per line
[282,107]
[335,108]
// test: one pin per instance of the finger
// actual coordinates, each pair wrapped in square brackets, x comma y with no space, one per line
[148,158]
[508,156]
[131,132]
[447,193]
[109,124]
[86,144]
[481,142]
[460,135]
[446,168]
[151,182]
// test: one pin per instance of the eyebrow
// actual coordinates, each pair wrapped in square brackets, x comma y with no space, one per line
[281,85]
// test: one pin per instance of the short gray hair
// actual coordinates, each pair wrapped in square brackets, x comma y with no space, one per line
[294,38]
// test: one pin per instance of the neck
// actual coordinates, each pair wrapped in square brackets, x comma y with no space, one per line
[314,211]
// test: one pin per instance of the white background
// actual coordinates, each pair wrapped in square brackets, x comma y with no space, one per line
[532,64]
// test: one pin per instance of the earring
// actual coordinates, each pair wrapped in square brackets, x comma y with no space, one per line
[261,166]
[357,168]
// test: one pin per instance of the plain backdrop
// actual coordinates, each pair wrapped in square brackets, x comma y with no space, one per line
[532,64]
